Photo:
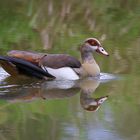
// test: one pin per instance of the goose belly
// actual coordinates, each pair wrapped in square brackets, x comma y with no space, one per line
[63,73]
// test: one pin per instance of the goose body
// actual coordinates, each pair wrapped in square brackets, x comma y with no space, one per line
[62,73]
[59,66]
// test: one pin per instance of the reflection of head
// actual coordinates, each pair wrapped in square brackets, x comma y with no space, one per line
[92,104]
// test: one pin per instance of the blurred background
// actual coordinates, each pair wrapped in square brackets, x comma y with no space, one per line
[46,24]
[53,26]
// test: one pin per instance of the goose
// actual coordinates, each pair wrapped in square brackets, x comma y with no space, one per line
[55,66]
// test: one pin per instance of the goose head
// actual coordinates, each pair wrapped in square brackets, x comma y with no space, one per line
[93,45]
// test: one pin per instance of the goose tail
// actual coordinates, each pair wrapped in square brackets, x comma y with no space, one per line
[16,66]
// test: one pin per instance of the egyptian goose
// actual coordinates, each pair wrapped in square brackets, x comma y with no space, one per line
[59,66]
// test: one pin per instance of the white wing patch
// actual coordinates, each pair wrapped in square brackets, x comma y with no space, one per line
[62,73]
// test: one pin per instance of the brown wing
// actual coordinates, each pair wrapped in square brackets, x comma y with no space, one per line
[60,60]
[32,57]
[49,60]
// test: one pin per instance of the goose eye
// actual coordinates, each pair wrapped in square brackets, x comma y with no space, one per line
[102,50]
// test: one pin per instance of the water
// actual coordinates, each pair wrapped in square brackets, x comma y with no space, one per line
[34,109]
[57,110]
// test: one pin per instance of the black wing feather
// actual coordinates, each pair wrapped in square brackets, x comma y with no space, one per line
[26,67]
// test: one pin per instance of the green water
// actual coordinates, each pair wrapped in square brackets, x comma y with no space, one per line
[55,110]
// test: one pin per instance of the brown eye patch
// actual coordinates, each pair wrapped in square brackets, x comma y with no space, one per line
[93,42]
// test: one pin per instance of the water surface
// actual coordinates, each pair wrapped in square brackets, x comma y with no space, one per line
[36,109]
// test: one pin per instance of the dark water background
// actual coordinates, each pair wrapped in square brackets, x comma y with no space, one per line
[54,110]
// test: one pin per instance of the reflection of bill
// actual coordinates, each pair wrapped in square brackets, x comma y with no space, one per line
[57,90]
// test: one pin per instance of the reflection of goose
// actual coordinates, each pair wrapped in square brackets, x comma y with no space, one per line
[30,94]
[60,66]
[43,90]
[58,90]
[87,101]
